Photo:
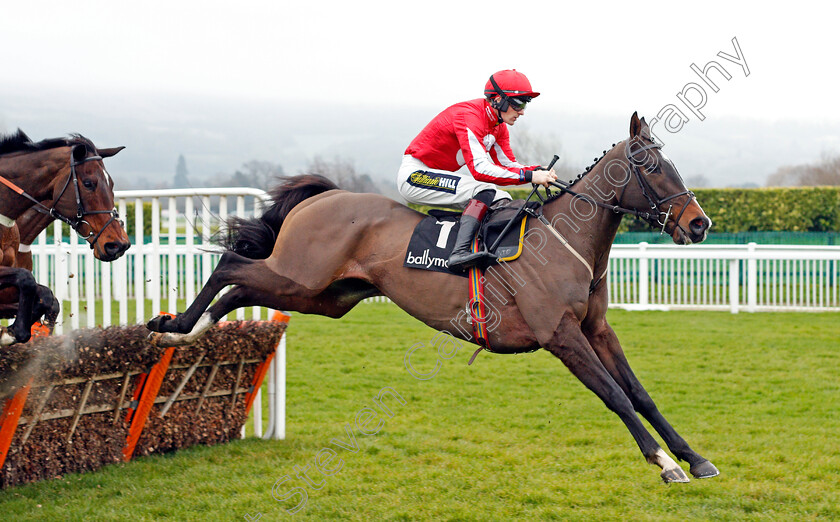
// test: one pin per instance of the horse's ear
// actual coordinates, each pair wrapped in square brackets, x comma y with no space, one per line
[107,153]
[645,131]
[79,152]
[635,125]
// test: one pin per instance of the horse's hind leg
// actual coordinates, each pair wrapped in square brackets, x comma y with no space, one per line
[259,283]
[606,346]
[332,302]
[571,346]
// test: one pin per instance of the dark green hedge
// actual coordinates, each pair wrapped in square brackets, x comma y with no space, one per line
[800,209]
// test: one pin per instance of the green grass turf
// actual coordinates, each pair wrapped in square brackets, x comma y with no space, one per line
[511,437]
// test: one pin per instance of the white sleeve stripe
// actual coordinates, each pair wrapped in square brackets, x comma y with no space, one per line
[482,162]
[504,160]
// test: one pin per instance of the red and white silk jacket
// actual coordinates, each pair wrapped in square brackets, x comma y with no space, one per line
[468,133]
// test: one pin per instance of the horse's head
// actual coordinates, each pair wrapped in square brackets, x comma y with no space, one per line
[655,186]
[85,200]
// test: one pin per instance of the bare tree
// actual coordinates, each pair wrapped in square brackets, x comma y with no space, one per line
[825,172]
[343,173]
[539,149]
[255,173]
[697,181]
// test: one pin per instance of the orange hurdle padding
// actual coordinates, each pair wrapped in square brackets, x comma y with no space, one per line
[39,329]
[9,419]
[262,369]
[256,382]
[145,403]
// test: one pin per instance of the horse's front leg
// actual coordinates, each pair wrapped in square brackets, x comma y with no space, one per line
[606,345]
[571,346]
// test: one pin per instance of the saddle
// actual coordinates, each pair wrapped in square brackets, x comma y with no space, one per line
[434,237]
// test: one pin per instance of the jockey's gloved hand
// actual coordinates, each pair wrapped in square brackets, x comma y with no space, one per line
[543,177]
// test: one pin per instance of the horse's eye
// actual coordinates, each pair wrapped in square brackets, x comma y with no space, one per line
[89,184]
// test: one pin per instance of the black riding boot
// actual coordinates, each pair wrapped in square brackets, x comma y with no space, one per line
[462,256]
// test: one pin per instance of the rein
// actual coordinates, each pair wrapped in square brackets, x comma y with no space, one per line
[653,217]
[78,220]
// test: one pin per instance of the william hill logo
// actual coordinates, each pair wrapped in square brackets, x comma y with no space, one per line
[425,260]
[434,181]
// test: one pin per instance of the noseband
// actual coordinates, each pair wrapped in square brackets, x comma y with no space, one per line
[78,220]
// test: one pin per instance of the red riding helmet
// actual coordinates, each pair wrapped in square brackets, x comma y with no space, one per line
[510,82]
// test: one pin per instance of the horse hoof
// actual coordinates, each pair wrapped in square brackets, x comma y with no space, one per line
[168,340]
[157,324]
[674,475]
[704,470]
[6,338]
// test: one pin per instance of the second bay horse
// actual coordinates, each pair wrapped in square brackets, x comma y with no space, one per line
[61,178]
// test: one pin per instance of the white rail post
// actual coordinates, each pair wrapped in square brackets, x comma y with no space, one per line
[206,258]
[121,271]
[105,286]
[172,282]
[280,390]
[90,288]
[644,276]
[154,278]
[752,278]
[75,280]
[257,410]
[189,264]
[139,262]
[269,433]
[61,282]
[733,285]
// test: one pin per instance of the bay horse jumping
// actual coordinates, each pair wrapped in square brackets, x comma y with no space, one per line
[60,178]
[334,248]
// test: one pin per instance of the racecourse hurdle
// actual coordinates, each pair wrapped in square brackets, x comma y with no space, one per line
[167,265]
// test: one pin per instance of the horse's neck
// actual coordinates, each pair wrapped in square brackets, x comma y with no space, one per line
[36,173]
[589,228]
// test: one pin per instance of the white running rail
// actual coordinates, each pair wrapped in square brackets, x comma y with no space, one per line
[748,277]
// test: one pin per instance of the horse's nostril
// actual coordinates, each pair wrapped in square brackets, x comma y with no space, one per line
[113,248]
[699,225]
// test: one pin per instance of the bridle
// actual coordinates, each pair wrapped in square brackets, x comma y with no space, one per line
[78,220]
[654,200]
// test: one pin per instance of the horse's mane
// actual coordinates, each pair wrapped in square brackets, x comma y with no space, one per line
[580,176]
[20,142]
[16,142]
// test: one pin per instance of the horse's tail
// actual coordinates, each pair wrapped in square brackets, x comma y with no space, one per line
[254,238]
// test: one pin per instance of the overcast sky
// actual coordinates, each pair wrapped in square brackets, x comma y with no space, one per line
[597,56]
[600,58]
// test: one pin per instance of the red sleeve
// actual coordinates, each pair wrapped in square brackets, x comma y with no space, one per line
[470,130]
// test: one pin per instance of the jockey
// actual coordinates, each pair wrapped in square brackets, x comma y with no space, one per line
[470,133]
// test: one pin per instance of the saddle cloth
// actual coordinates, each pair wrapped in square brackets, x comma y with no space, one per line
[434,237]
